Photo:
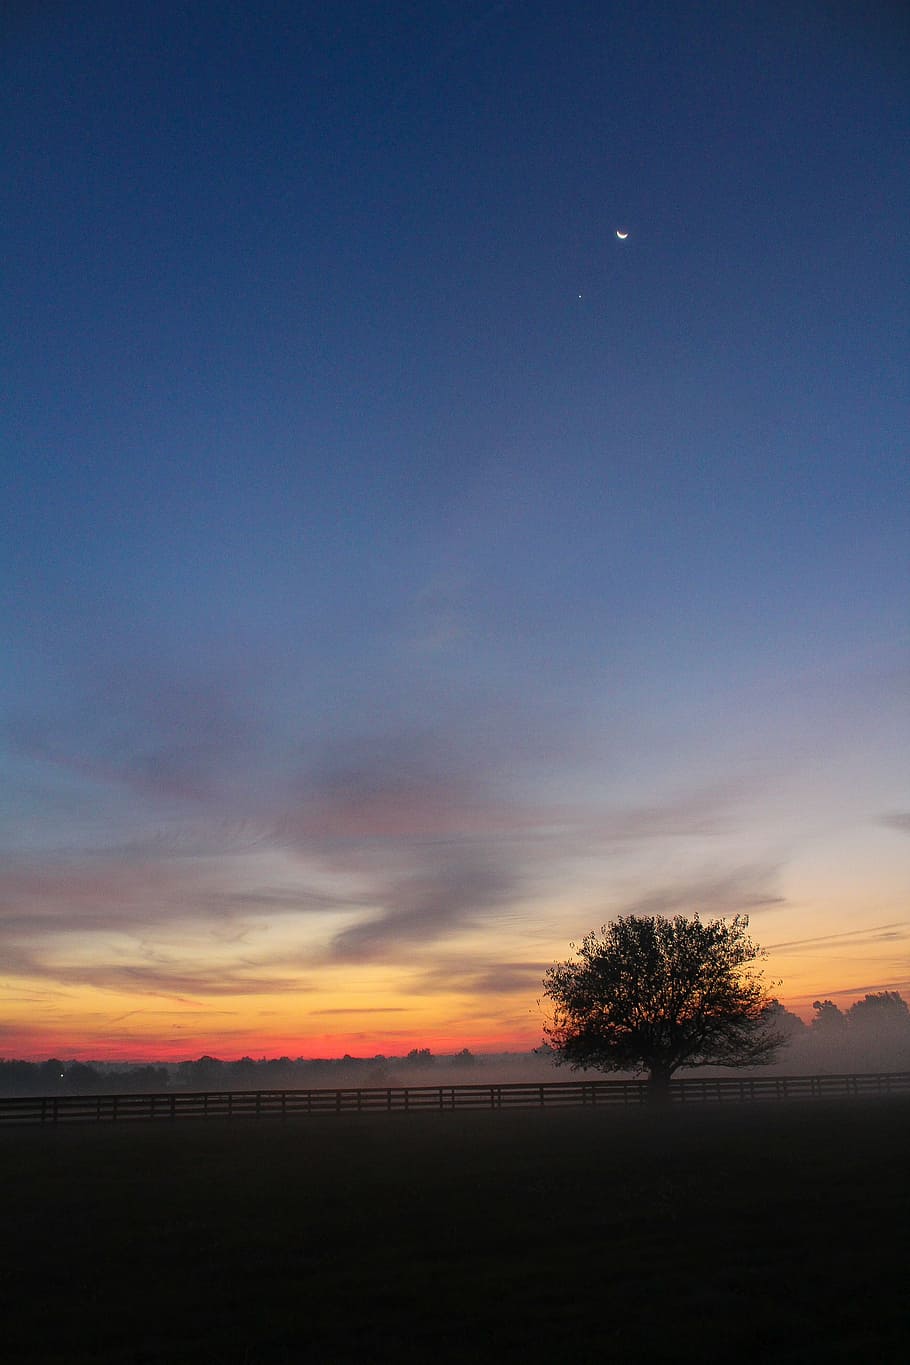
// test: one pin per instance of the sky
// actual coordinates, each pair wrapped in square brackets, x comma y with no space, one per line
[401,574]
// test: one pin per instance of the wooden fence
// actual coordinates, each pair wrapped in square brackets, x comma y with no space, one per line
[231,1104]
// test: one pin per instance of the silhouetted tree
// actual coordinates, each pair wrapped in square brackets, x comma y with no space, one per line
[886,1009]
[653,994]
[242,1073]
[879,1026]
[785,1022]
[829,1020]
[51,1074]
[143,1078]
[206,1073]
[81,1079]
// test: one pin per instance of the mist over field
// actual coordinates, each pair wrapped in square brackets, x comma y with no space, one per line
[872,1036]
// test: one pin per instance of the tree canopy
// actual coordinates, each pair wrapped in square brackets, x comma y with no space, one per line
[652,994]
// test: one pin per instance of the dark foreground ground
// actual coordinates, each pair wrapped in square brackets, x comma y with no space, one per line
[777,1234]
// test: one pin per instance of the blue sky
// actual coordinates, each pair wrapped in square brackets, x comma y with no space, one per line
[403,574]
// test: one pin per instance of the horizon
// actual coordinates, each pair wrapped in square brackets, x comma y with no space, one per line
[541,1050]
[455,496]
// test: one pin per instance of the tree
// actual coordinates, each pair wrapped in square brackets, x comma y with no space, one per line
[786,1022]
[829,1021]
[881,1009]
[880,1026]
[653,994]
[81,1079]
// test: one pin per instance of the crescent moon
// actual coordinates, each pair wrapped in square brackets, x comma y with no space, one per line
[621,235]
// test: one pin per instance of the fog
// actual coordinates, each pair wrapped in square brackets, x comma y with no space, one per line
[873,1035]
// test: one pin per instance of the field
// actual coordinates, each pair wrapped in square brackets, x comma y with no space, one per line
[772,1233]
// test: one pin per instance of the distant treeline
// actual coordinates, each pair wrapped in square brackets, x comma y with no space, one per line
[56,1077]
[872,1035]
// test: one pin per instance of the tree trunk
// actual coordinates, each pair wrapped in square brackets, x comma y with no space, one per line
[659,1085]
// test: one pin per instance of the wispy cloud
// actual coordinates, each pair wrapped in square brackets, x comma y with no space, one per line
[454,975]
[156,735]
[168,979]
[737,891]
[877,933]
[362,1009]
[415,834]
[456,888]
[899,984]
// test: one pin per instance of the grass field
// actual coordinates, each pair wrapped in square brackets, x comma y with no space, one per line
[777,1234]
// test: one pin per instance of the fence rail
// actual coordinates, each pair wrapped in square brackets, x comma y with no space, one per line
[231,1104]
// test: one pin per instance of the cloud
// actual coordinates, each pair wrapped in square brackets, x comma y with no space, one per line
[394,787]
[117,893]
[101,922]
[164,976]
[363,1009]
[417,784]
[870,988]
[145,731]
[71,894]
[442,843]
[420,831]
[897,820]
[708,810]
[738,891]
[877,933]
[480,977]
[452,890]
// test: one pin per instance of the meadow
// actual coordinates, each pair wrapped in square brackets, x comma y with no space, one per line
[774,1233]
